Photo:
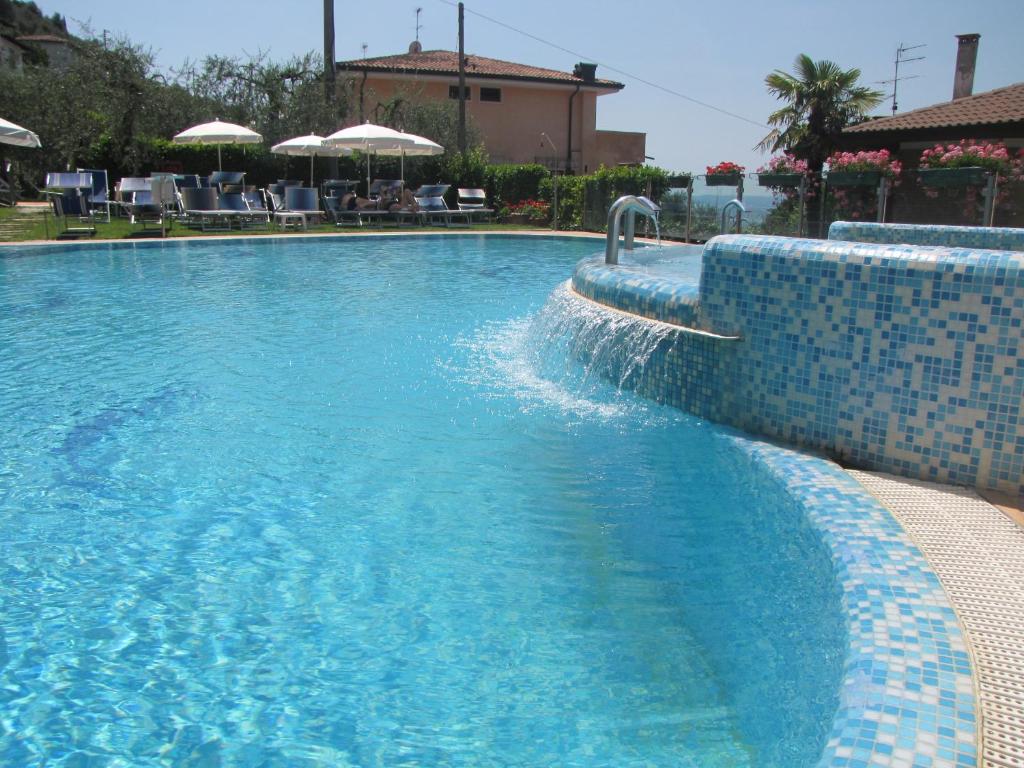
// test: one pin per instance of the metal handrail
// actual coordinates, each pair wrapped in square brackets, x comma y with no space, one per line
[740,210]
[631,205]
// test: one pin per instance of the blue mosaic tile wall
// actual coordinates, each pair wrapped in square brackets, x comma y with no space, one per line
[892,357]
[995,238]
[907,696]
[638,293]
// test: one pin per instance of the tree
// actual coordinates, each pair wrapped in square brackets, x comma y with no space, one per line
[822,100]
[278,100]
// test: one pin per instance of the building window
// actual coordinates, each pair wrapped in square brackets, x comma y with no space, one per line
[453,92]
[490,94]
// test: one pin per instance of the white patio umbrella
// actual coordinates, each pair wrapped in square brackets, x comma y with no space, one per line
[16,135]
[419,146]
[218,132]
[369,138]
[310,146]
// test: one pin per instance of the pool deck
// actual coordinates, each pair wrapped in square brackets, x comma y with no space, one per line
[977,551]
[418,232]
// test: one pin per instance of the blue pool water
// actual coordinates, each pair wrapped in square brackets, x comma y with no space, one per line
[321,503]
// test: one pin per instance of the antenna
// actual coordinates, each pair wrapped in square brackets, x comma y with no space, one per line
[901,58]
[418,25]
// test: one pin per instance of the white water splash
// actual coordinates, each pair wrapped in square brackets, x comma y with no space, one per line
[573,355]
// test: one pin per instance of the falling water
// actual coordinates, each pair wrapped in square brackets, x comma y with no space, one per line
[576,340]
[566,355]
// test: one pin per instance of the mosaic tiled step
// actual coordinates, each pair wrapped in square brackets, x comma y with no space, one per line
[998,238]
[978,554]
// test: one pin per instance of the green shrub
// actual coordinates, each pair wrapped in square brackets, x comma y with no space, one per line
[511,183]
[570,199]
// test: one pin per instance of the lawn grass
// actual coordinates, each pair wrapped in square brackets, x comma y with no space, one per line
[120,229]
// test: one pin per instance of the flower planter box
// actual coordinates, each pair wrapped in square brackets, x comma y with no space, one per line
[722,180]
[679,182]
[951,177]
[853,178]
[779,179]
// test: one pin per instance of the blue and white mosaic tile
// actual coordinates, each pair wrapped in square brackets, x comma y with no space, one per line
[894,357]
[907,696]
[993,238]
[637,292]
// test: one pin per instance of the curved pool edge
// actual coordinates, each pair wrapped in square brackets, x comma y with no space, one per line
[631,290]
[908,694]
[907,688]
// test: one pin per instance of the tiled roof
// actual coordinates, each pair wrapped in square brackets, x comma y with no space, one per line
[447,63]
[1003,105]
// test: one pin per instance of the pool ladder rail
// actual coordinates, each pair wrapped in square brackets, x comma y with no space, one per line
[630,205]
[740,210]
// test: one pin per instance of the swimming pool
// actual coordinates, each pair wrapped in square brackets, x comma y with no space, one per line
[317,502]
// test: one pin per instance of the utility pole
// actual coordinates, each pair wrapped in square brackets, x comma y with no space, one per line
[901,58]
[330,79]
[462,79]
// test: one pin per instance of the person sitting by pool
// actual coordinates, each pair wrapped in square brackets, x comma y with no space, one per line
[407,202]
[350,202]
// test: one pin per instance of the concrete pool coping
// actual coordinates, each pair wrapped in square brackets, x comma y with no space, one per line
[435,232]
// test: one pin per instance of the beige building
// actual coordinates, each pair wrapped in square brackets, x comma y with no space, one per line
[524,114]
[12,53]
[57,49]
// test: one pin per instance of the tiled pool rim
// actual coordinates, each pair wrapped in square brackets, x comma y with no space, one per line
[898,358]
[907,695]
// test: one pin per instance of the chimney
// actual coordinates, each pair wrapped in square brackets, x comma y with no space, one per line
[586,72]
[966,56]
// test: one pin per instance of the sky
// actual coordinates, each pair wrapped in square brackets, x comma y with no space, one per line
[713,52]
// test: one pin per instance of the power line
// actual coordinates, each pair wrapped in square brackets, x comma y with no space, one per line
[609,67]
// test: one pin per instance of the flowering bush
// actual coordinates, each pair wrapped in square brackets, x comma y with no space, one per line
[859,162]
[784,163]
[970,154]
[992,156]
[534,210]
[724,168]
[860,203]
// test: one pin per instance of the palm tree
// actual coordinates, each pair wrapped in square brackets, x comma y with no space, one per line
[822,100]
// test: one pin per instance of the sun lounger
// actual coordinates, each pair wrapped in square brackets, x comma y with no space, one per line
[235,202]
[227,181]
[474,201]
[433,208]
[98,196]
[384,189]
[337,187]
[300,206]
[201,207]
[67,206]
[135,197]
[340,216]
[257,204]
